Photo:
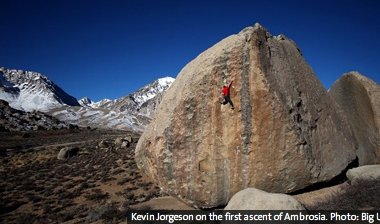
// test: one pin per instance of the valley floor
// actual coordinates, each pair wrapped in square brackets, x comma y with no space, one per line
[97,185]
[102,182]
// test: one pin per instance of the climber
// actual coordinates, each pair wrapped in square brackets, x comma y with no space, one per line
[226,95]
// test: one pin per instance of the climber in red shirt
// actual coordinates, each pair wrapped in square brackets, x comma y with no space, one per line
[226,95]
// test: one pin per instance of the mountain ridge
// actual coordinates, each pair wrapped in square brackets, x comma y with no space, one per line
[29,91]
[132,112]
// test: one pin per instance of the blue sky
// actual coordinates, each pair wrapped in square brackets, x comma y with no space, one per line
[107,49]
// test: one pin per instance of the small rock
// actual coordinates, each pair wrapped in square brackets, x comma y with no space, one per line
[255,199]
[103,144]
[119,141]
[125,144]
[67,153]
[119,162]
[96,167]
[129,139]
[38,128]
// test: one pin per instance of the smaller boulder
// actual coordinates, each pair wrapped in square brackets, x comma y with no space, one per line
[255,199]
[103,144]
[119,141]
[38,128]
[369,172]
[125,144]
[67,153]
[129,139]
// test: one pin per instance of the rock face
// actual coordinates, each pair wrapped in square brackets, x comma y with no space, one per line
[359,98]
[255,199]
[284,134]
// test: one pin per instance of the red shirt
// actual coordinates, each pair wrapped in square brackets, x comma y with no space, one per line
[226,90]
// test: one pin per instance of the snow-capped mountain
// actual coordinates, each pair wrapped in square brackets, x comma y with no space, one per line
[30,91]
[135,101]
[144,100]
[132,112]
[85,102]
[104,103]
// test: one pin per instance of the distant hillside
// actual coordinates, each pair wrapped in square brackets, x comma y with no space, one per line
[132,112]
[30,91]
[17,120]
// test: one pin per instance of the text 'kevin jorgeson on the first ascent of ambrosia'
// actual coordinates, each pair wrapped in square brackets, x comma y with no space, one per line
[253,216]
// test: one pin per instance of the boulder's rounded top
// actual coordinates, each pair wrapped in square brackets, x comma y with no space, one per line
[357,75]
[353,74]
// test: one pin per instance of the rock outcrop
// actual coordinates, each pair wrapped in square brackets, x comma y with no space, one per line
[255,199]
[17,120]
[284,134]
[359,98]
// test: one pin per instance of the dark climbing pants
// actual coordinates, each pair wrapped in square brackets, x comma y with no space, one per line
[227,99]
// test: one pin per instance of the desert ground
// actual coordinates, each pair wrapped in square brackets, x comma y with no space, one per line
[101,181]
[98,184]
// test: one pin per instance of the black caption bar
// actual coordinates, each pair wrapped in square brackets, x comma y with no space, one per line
[245,217]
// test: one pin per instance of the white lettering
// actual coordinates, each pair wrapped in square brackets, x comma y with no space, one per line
[303,217]
[344,217]
[258,217]
[173,218]
[147,216]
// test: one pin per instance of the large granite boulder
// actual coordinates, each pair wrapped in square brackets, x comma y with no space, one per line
[359,98]
[284,134]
